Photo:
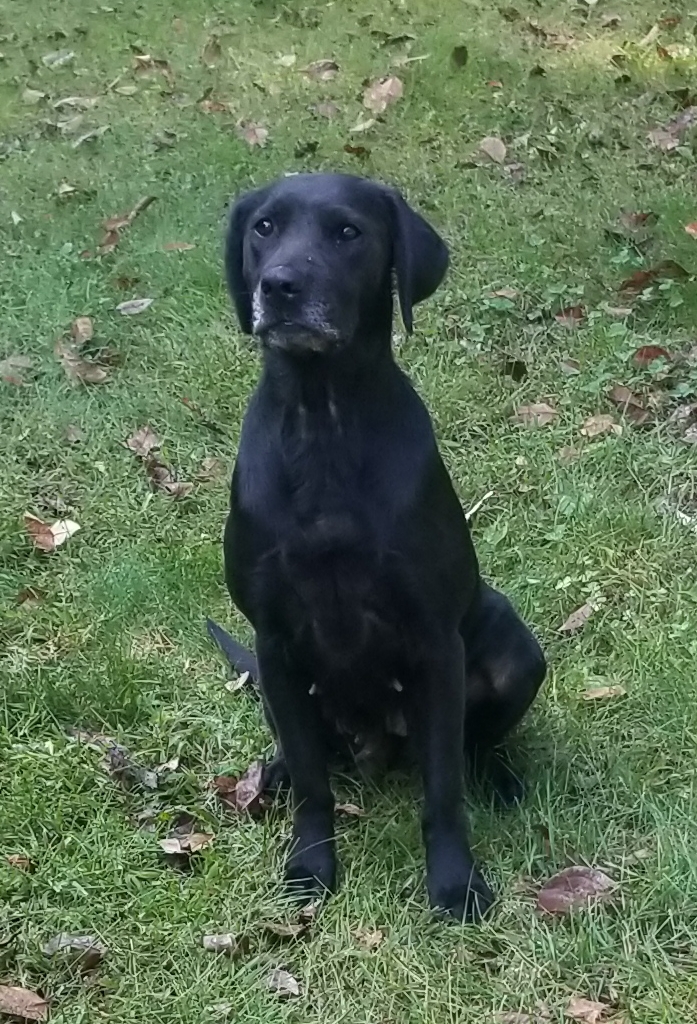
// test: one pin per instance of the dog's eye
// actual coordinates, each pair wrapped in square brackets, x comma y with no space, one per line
[263,227]
[348,232]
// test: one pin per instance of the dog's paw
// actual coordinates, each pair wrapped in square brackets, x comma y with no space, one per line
[276,778]
[310,874]
[465,896]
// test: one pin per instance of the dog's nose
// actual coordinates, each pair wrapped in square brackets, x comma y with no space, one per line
[281,283]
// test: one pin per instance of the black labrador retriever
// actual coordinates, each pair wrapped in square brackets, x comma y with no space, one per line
[346,546]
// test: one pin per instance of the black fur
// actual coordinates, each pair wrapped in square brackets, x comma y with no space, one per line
[346,546]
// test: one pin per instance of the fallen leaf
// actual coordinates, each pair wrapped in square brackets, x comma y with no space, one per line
[570,367]
[322,70]
[641,279]
[144,64]
[20,1002]
[631,223]
[143,441]
[283,930]
[133,306]
[504,293]
[667,136]
[163,479]
[126,90]
[286,60]
[574,887]
[49,536]
[19,860]
[82,330]
[11,369]
[602,423]
[493,148]
[282,984]
[647,353]
[65,189]
[568,453]
[77,369]
[192,842]
[538,414]
[369,938]
[253,134]
[212,51]
[577,619]
[168,766]
[326,109]
[692,228]
[119,763]
[362,152]
[209,105]
[631,405]
[620,312]
[90,136]
[244,793]
[124,220]
[515,172]
[58,58]
[570,316]
[211,469]
[458,56]
[350,810]
[234,685]
[32,96]
[603,692]
[585,1010]
[178,246]
[362,126]
[382,93]
[225,943]
[76,102]
[85,950]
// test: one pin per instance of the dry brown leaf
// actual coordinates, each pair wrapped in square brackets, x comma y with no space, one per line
[244,793]
[58,58]
[369,938]
[667,136]
[90,136]
[82,330]
[284,930]
[145,64]
[326,109]
[48,536]
[574,887]
[642,279]
[504,293]
[253,134]
[350,810]
[631,405]
[282,983]
[586,1010]
[143,441]
[187,844]
[208,104]
[178,246]
[224,942]
[602,423]
[77,369]
[20,1002]
[382,93]
[603,692]
[691,228]
[211,469]
[571,316]
[132,307]
[647,353]
[124,220]
[11,369]
[569,453]
[163,479]
[538,414]
[212,51]
[577,619]
[493,148]
[19,860]
[234,685]
[322,70]
[85,950]
[74,434]
[32,96]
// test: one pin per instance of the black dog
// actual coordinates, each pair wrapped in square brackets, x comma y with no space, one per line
[346,546]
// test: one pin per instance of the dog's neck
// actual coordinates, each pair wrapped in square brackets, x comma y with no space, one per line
[314,380]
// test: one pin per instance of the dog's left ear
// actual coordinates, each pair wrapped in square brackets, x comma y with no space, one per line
[419,256]
[234,257]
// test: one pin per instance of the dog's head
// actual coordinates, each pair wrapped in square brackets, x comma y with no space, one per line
[310,260]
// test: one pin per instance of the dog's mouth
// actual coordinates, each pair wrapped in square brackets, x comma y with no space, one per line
[296,336]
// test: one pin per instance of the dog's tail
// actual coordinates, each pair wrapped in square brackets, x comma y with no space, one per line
[239,657]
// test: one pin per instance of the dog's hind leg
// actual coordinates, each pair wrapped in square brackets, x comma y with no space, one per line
[505,669]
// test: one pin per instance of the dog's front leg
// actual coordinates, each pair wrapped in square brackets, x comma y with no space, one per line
[454,883]
[311,864]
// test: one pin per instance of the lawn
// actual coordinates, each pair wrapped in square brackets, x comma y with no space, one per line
[105,635]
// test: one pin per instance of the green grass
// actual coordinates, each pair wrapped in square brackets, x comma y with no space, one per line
[117,642]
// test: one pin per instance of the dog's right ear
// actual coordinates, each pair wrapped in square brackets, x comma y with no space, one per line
[234,257]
